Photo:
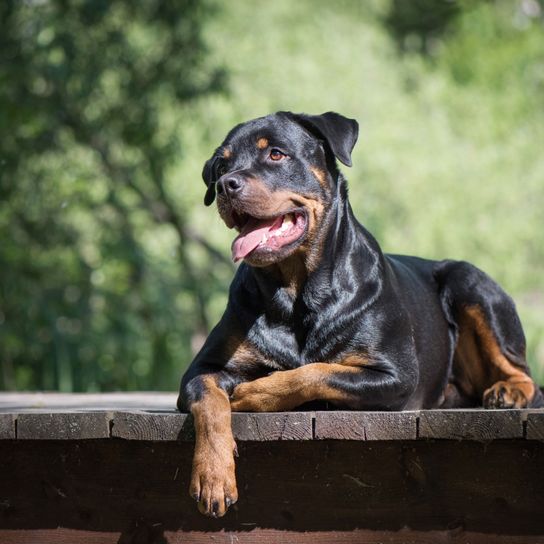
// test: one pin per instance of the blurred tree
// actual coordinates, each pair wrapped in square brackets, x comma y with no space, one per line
[416,23]
[89,91]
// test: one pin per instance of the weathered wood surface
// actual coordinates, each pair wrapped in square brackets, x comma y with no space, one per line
[471,424]
[152,416]
[114,469]
[535,425]
[154,535]
[342,425]
[136,488]
[7,426]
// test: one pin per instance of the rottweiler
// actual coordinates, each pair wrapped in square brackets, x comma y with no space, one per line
[317,312]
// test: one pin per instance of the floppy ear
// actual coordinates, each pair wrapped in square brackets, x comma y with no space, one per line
[208,177]
[338,131]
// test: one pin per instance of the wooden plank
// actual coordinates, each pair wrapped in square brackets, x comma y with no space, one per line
[264,536]
[152,426]
[245,426]
[7,426]
[302,487]
[272,426]
[366,425]
[63,425]
[535,425]
[58,536]
[470,424]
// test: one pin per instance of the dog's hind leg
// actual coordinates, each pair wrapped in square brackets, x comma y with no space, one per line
[489,363]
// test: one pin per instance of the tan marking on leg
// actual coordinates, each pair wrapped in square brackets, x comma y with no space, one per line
[471,373]
[482,370]
[262,143]
[287,389]
[213,481]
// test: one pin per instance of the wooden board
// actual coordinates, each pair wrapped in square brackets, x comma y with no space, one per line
[175,426]
[154,535]
[152,416]
[342,425]
[7,426]
[63,425]
[114,486]
[117,470]
[471,424]
[535,425]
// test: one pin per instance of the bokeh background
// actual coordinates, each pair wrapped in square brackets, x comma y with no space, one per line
[111,269]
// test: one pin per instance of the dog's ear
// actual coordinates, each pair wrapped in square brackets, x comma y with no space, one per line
[208,175]
[338,131]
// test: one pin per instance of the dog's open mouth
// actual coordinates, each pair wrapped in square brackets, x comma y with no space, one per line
[269,234]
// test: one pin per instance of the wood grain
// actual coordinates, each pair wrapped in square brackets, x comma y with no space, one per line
[136,487]
[366,425]
[264,536]
[63,425]
[272,426]
[245,426]
[471,424]
[7,426]
[535,425]
[152,426]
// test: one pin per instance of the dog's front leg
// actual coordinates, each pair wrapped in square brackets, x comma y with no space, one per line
[287,389]
[352,383]
[213,481]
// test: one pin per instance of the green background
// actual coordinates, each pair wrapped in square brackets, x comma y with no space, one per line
[112,270]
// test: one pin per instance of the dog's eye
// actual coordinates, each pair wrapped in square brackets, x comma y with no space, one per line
[276,155]
[221,170]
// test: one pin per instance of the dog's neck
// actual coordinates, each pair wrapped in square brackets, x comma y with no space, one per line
[312,267]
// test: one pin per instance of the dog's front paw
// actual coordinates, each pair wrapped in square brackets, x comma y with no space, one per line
[213,484]
[252,396]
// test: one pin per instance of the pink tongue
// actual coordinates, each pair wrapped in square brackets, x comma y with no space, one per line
[251,236]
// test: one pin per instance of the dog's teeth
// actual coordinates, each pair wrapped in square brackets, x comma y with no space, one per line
[286,224]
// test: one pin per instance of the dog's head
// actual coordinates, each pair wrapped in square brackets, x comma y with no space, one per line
[274,178]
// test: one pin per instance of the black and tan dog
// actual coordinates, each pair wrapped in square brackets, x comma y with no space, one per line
[317,311]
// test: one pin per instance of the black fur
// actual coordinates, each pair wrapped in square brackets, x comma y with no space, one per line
[399,312]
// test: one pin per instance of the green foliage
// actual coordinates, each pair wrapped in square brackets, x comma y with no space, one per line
[108,272]
[417,24]
[95,253]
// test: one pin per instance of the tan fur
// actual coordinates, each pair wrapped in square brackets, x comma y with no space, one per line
[295,269]
[288,389]
[480,367]
[227,153]
[321,177]
[241,352]
[262,143]
[213,480]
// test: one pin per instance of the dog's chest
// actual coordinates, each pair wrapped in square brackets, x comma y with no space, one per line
[290,345]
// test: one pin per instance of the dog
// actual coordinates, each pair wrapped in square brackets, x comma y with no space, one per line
[317,312]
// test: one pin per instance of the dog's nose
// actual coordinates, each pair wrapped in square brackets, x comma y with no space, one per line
[230,185]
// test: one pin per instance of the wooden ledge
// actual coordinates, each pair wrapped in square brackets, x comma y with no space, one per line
[117,468]
[152,417]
